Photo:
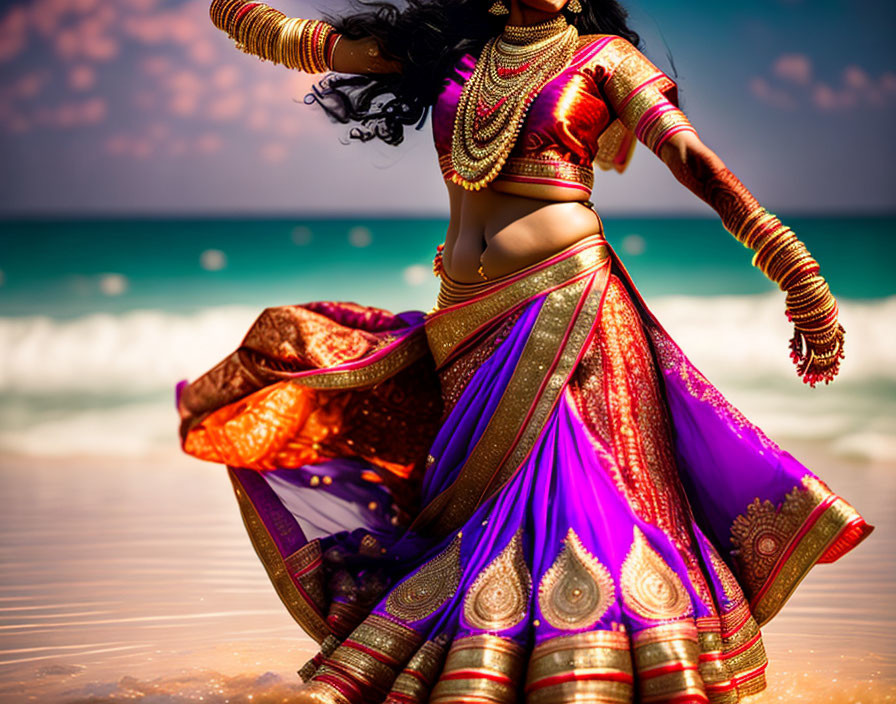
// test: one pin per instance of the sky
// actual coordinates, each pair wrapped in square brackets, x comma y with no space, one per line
[143,107]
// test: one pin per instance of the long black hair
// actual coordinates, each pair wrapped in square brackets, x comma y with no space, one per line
[428,37]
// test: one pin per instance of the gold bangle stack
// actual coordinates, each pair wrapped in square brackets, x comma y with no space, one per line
[817,345]
[267,33]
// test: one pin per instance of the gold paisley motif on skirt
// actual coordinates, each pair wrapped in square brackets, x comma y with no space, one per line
[577,590]
[650,587]
[430,587]
[762,533]
[499,597]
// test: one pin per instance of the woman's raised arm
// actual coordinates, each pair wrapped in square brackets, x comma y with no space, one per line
[312,46]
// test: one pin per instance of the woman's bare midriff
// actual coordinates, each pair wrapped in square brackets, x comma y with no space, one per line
[505,232]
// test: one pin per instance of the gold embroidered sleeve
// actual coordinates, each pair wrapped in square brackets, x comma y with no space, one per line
[643,98]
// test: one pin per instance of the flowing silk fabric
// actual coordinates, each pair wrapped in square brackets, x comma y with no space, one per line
[529,495]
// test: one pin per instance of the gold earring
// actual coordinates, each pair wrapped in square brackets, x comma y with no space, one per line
[574,6]
[499,8]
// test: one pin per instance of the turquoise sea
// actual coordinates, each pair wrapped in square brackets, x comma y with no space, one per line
[100,317]
[56,267]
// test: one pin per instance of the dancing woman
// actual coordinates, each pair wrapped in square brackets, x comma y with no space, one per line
[528,493]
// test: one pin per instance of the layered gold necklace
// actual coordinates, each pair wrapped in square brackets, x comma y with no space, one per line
[510,72]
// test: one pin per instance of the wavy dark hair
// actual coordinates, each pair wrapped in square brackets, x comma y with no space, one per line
[428,37]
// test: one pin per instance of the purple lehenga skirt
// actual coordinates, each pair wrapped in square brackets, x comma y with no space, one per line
[528,494]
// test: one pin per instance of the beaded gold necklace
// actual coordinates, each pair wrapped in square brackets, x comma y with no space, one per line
[511,69]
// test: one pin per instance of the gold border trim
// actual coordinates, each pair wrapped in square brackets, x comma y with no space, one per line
[297,606]
[804,555]
[522,412]
[407,351]
[449,328]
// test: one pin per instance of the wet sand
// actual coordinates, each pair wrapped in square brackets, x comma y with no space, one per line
[135,580]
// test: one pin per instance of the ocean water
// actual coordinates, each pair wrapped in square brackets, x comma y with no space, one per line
[99,318]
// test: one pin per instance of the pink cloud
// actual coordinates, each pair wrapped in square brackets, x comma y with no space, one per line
[209,142]
[185,88]
[795,68]
[155,65]
[855,78]
[763,90]
[888,83]
[29,85]
[89,38]
[226,77]
[183,104]
[274,152]
[158,131]
[258,119]
[180,26]
[202,52]
[17,124]
[141,5]
[135,146]
[72,114]
[13,32]
[177,147]
[227,107]
[81,77]
[183,75]
[792,85]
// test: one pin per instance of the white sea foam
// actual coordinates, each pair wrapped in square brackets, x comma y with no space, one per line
[103,384]
[119,355]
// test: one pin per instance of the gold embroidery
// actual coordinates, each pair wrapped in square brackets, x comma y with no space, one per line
[299,607]
[696,577]
[448,328]
[667,659]
[615,147]
[751,686]
[547,167]
[672,359]
[626,68]
[307,569]
[481,669]
[370,657]
[762,533]
[428,588]
[499,597]
[455,375]
[539,377]
[344,616]
[730,586]
[413,347]
[577,590]
[595,666]
[414,683]
[638,419]
[826,528]
[650,587]
[394,642]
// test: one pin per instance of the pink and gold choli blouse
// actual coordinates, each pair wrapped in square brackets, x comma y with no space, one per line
[593,111]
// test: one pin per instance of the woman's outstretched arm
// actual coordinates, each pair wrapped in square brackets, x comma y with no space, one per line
[313,46]
[817,345]
[645,101]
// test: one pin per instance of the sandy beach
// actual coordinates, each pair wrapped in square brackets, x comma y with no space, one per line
[134,579]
